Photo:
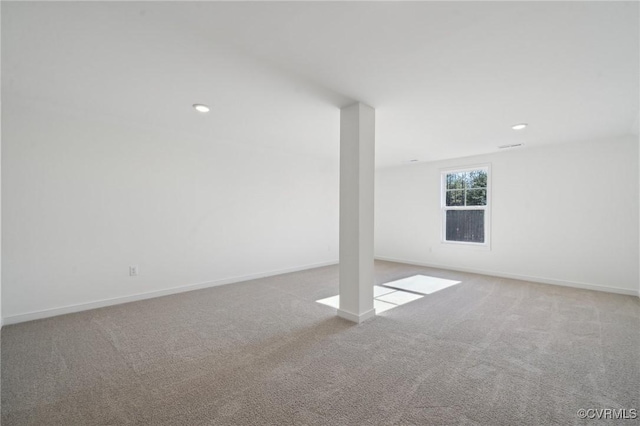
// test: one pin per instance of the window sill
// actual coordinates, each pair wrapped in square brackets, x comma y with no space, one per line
[465,245]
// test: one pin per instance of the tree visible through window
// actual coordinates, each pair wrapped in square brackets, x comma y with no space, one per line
[465,202]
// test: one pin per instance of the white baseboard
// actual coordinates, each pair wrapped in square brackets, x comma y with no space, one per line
[541,280]
[357,318]
[15,319]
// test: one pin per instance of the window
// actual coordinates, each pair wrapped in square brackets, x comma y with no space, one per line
[465,206]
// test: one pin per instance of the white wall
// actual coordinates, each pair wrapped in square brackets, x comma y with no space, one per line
[635,130]
[85,197]
[564,214]
[1,321]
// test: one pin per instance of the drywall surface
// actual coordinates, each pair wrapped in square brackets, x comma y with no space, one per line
[1,322]
[564,214]
[85,198]
[106,165]
[0,186]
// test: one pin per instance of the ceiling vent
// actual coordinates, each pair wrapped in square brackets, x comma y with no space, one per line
[513,145]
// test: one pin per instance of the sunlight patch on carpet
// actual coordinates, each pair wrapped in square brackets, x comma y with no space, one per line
[422,284]
[383,299]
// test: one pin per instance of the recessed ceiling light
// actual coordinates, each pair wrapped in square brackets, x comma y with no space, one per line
[519,126]
[201,108]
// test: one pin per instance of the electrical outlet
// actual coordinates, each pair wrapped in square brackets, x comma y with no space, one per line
[133,271]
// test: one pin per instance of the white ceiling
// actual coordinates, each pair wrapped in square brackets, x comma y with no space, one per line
[446,79]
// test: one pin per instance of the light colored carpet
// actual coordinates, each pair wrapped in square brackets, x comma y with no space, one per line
[486,351]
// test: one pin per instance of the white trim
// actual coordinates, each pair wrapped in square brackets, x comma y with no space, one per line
[15,319]
[357,318]
[540,280]
[469,168]
[635,127]
[486,245]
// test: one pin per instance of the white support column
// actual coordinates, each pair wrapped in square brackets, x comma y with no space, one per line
[357,157]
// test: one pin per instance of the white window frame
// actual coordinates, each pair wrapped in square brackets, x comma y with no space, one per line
[444,208]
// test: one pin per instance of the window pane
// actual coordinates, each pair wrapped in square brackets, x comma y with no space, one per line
[455,197]
[465,225]
[455,180]
[477,179]
[476,197]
